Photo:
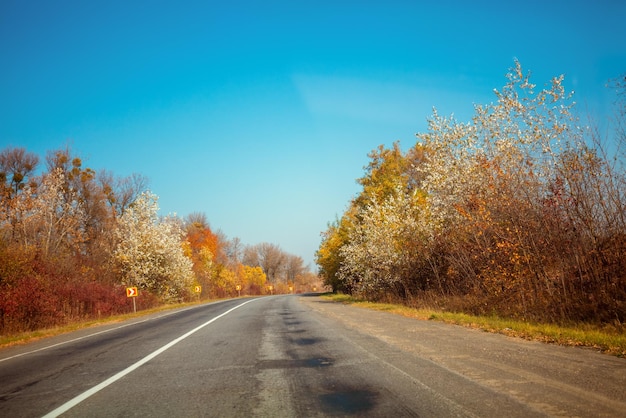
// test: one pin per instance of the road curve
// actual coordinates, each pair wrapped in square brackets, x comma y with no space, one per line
[301,356]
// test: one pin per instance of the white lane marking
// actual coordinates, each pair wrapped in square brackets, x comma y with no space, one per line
[98,333]
[78,399]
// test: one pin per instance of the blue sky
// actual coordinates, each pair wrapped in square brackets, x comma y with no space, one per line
[261,114]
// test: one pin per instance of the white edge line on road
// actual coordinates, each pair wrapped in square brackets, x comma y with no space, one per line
[97,333]
[78,399]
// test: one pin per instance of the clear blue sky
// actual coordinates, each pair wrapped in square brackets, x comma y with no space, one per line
[261,114]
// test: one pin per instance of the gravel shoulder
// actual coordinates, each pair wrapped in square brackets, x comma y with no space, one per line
[556,380]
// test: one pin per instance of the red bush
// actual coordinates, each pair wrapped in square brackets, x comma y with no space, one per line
[28,305]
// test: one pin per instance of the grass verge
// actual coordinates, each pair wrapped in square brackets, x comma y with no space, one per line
[26,337]
[609,341]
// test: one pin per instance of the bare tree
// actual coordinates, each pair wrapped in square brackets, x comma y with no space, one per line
[234,251]
[269,257]
[127,190]
[294,267]
[251,256]
[16,166]
[197,219]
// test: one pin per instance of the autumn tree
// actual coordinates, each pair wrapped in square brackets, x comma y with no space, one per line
[390,174]
[45,257]
[486,182]
[50,219]
[518,211]
[329,256]
[17,168]
[386,171]
[254,279]
[84,187]
[65,244]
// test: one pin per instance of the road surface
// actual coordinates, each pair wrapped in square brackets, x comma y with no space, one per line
[302,356]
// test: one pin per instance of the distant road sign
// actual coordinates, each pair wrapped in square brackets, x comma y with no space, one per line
[131,292]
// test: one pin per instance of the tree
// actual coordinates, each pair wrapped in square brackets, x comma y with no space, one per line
[150,252]
[251,256]
[126,190]
[294,267]
[16,167]
[519,211]
[253,278]
[203,245]
[384,175]
[329,256]
[48,221]
[387,248]
[234,251]
[486,182]
[56,242]
[270,258]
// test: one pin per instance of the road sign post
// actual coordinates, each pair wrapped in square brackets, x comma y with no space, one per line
[197,290]
[131,292]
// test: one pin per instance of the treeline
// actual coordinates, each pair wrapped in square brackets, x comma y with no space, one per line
[72,239]
[519,212]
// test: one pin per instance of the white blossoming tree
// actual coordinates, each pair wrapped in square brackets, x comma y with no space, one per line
[388,245]
[487,182]
[150,253]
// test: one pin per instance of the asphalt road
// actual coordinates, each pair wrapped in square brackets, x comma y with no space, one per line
[300,356]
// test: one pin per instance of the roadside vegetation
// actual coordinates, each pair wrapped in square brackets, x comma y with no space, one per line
[29,336]
[73,239]
[519,213]
[606,339]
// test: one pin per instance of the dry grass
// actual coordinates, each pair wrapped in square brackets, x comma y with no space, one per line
[609,340]
[26,337]
[606,339]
